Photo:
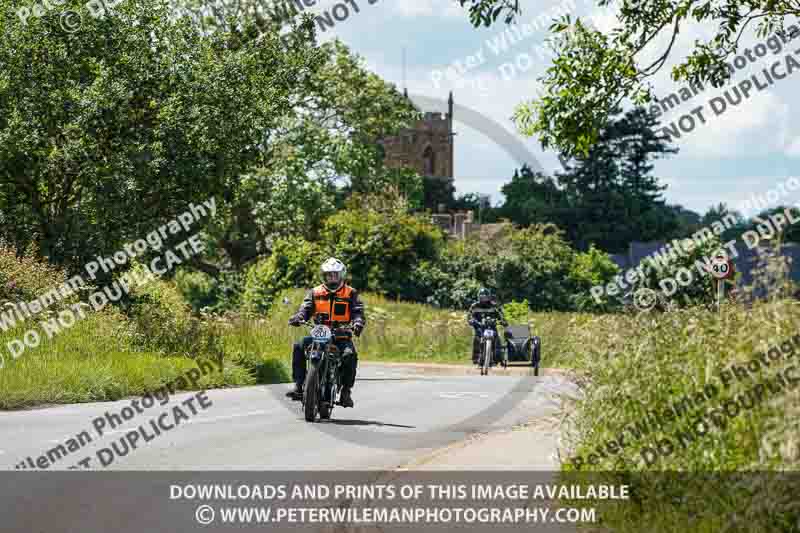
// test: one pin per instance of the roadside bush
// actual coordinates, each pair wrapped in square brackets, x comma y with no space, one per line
[665,278]
[198,289]
[454,278]
[25,278]
[381,249]
[161,320]
[517,312]
[591,268]
[534,264]
[294,262]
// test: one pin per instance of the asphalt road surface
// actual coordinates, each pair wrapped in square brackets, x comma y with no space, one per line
[401,414]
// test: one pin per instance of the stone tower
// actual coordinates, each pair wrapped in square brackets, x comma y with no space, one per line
[427,147]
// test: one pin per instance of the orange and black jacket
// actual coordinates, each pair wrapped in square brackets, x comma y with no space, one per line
[343,305]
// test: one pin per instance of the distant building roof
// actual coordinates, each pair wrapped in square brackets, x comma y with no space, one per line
[639,250]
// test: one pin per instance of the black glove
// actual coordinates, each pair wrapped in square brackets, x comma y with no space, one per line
[358,327]
[295,320]
[473,322]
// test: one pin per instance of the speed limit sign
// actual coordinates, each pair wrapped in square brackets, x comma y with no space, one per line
[721,268]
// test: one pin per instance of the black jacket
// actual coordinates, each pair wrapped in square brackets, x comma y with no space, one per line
[477,311]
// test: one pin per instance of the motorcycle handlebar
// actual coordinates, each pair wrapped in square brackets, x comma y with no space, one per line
[309,323]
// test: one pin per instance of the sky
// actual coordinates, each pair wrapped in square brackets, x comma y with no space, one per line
[745,150]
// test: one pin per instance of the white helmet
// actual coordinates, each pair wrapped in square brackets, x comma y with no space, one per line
[333,274]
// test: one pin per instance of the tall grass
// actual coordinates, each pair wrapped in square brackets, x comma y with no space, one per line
[92,361]
[396,331]
[635,364]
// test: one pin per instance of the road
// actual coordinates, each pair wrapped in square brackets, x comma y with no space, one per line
[403,415]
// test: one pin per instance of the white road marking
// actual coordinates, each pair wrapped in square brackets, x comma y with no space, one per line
[200,421]
[462,395]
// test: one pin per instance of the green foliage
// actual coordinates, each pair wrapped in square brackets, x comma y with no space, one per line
[294,262]
[482,210]
[330,138]
[24,278]
[610,196]
[393,183]
[89,129]
[664,357]
[454,278]
[607,197]
[589,269]
[517,312]
[161,320]
[702,287]
[381,248]
[594,71]
[198,289]
[532,198]
[534,264]
[438,191]
[788,233]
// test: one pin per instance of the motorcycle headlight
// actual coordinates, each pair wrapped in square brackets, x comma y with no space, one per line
[488,334]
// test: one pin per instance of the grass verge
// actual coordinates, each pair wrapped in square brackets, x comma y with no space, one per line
[665,411]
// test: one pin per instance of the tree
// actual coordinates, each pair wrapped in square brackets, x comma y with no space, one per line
[721,211]
[133,109]
[438,191]
[480,205]
[687,221]
[788,233]
[320,155]
[532,198]
[611,198]
[594,72]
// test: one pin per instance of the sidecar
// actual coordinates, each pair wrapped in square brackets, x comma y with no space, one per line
[522,345]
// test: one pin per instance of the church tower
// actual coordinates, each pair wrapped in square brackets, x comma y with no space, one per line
[426,147]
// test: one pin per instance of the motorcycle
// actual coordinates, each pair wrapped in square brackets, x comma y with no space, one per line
[323,380]
[488,344]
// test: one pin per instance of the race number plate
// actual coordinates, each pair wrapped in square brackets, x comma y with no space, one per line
[321,332]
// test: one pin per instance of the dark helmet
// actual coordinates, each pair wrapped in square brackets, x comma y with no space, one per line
[484,295]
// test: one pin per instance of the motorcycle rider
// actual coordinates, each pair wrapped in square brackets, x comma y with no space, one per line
[342,304]
[485,306]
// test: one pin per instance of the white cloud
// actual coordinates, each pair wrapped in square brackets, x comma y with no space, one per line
[421,8]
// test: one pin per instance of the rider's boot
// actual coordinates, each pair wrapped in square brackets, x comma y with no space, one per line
[297,392]
[345,398]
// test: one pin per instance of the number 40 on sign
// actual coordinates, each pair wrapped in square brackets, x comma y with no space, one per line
[721,267]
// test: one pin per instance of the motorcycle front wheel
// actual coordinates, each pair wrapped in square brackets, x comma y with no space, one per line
[311,393]
[326,404]
[487,357]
